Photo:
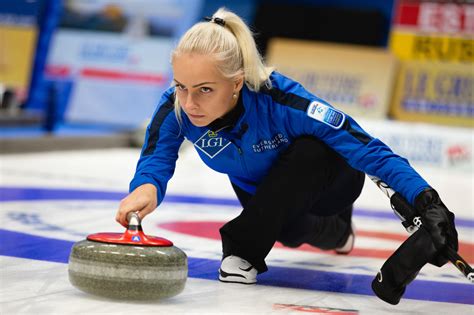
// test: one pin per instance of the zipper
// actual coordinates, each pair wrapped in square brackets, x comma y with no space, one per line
[232,138]
[241,156]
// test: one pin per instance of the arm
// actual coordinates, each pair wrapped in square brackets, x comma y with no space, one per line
[156,164]
[306,114]
[375,158]
[358,148]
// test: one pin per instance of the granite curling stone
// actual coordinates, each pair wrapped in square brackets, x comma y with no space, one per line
[128,266]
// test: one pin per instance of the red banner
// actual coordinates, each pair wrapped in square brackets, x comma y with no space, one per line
[436,17]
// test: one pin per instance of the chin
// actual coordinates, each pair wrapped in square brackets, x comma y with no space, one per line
[199,123]
[196,124]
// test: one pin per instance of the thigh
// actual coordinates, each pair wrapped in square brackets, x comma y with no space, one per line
[243,196]
[343,190]
[309,177]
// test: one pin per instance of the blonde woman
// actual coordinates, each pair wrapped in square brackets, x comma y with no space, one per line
[296,163]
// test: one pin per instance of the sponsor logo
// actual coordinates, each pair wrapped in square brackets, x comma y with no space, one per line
[437,90]
[458,154]
[379,276]
[417,149]
[212,134]
[326,114]
[211,144]
[271,144]
[444,17]
[136,238]
[334,87]
[368,100]
[95,50]
[315,309]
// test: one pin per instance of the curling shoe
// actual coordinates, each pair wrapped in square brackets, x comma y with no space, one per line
[237,270]
[349,243]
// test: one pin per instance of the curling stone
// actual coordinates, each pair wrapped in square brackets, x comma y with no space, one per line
[129,266]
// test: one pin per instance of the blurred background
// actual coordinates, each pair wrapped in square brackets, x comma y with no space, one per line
[80,79]
[78,74]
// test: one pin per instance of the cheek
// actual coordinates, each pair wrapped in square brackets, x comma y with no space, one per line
[219,104]
[225,97]
[181,98]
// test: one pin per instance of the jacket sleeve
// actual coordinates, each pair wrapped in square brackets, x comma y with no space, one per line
[160,151]
[357,147]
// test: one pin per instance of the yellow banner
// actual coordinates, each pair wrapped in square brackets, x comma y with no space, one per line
[413,46]
[435,92]
[17,45]
[357,80]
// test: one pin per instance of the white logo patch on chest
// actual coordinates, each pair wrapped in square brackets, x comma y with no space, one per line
[211,144]
[326,114]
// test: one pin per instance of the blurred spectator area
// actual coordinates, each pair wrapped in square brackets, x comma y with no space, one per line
[90,69]
[363,22]
[327,21]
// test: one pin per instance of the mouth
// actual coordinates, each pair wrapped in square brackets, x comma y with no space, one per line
[195,116]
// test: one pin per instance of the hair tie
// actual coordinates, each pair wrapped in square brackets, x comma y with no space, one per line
[216,20]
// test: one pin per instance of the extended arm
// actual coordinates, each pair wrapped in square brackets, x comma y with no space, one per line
[157,162]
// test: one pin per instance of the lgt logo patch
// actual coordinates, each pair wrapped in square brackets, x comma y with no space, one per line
[211,144]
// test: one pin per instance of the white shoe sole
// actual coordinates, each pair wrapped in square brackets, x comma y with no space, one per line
[234,278]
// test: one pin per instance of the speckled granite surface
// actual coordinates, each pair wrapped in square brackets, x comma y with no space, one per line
[126,271]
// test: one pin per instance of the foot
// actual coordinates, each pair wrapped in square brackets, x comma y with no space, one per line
[237,270]
[348,244]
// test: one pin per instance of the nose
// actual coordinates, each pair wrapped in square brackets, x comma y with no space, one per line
[190,104]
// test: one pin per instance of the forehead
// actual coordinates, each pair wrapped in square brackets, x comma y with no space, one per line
[195,68]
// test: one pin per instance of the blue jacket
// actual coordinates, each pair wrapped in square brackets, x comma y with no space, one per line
[271,121]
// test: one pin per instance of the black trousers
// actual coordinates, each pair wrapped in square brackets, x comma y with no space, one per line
[307,197]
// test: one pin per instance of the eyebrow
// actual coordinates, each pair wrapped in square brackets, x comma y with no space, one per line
[197,85]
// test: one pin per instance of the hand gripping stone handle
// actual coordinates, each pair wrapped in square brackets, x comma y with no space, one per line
[412,222]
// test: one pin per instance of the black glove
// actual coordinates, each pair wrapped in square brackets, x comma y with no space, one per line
[438,221]
[403,266]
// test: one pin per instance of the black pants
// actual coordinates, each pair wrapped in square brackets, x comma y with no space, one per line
[307,197]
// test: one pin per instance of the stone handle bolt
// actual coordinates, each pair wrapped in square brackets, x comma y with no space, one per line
[133,219]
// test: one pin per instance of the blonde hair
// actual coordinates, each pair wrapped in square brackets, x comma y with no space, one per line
[231,44]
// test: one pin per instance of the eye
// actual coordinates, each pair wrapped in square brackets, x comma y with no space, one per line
[206,90]
[180,87]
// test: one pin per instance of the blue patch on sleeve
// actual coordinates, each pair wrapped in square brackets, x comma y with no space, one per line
[326,114]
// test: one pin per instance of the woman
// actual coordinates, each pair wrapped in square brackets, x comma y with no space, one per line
[296,164]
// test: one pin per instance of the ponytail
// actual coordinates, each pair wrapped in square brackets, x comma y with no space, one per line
[230,41]
[255,71]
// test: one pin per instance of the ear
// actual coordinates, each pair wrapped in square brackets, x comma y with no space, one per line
[238,83]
